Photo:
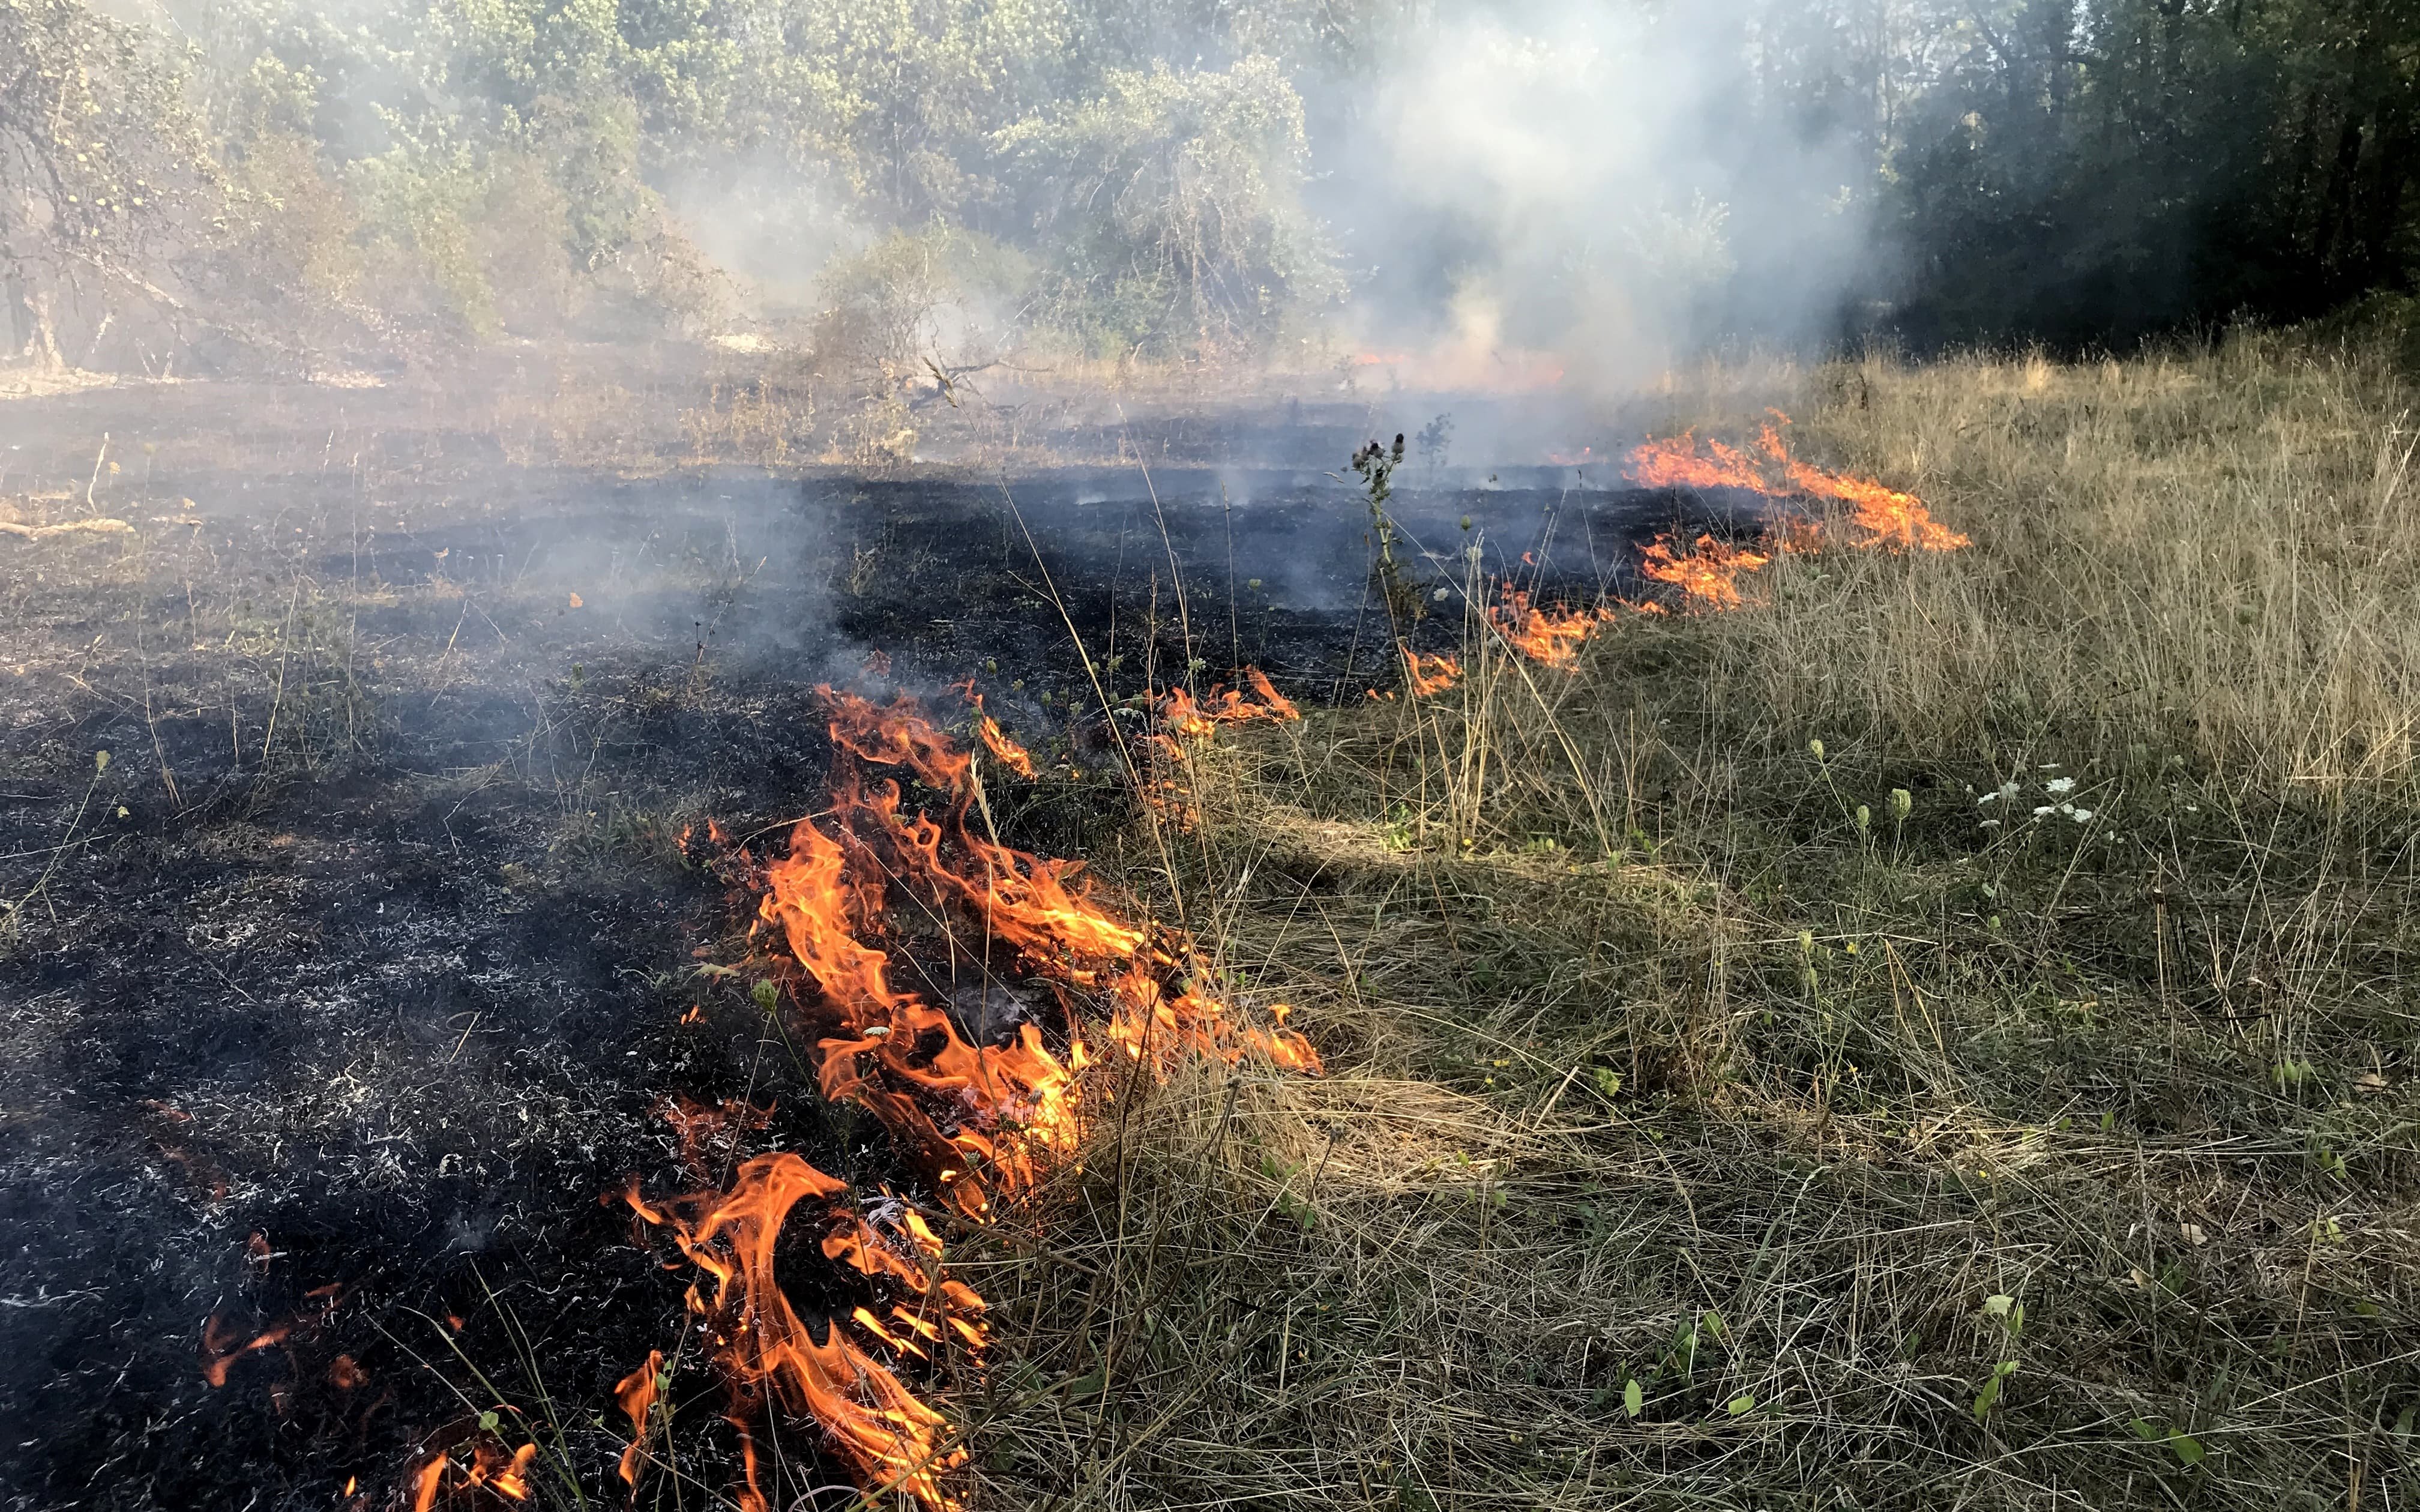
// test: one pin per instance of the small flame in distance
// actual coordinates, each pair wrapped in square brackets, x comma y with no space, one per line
[1877,516]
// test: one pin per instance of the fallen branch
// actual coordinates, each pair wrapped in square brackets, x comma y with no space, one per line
[94,527]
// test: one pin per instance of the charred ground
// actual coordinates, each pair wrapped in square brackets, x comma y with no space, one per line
[353,977]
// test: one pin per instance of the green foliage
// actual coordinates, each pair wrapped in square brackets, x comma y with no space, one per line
[1170,205]
[2080,174]
[100,157]
[419,206]
[2085,173]
[887,304]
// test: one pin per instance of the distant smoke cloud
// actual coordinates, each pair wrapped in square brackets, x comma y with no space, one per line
[1587,179]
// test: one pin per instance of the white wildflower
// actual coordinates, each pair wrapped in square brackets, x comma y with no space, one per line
[2060,785]
[2081,816]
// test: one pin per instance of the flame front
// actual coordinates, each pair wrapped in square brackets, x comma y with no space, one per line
[1023,931]
[1708,573]
[1880,515]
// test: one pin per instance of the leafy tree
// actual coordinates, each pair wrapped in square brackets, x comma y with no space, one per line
[1171,206]
[106,183]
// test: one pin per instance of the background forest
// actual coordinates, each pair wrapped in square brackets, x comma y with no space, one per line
[1189,180]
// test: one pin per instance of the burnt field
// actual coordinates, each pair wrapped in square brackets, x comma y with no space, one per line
[355,944]
[1907,1005]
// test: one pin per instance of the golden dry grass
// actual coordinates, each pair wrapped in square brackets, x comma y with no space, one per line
[1709,1129]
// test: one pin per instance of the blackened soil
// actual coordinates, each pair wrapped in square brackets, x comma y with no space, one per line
[336,999]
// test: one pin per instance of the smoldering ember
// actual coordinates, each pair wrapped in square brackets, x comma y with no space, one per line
[953,754]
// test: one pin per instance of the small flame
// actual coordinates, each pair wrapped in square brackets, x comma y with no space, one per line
[997,741]
[636,1392]
[223,1346]
[490,1469]
[1427,675]
[1552,636]
[1707,571]
[1225,706]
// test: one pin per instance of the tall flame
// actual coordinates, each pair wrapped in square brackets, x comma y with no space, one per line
[954,981]
[1024,933]
[981,1095]
[637,1391]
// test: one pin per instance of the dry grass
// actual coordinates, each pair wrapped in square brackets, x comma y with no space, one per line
[1808,1126]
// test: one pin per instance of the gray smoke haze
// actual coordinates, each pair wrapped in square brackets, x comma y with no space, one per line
[1485,193]
[1597,182]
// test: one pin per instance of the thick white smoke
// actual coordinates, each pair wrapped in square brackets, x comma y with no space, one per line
[1599,182]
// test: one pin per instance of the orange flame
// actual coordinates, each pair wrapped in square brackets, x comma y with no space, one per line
[636,1392]
[1225,706]
[1676,461]
[222,1346]
[1881,516]
[1549,635]
[1707,571]
[976,1074]
[1887,515]
[1426,675]
[997,741]
[977,1116]
[492,1472]
[768,1354]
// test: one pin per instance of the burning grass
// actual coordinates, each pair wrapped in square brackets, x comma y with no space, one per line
[1919,1027]
[1929,1033]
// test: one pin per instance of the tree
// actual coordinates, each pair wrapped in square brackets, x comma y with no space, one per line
[104,180]
[1172,203]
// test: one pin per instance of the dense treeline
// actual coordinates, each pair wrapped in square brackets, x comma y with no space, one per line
[2087,172]
[1169,177]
